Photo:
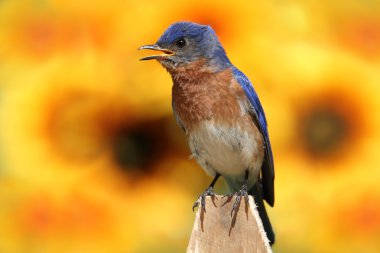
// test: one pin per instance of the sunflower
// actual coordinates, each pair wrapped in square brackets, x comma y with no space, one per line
[97,169]
[328,110]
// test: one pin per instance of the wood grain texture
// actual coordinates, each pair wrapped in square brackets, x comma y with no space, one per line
[216,231]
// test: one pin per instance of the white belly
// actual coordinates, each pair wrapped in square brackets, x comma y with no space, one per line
[226,150]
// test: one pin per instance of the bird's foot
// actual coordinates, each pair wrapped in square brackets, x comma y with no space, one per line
[202,198]
[243,192]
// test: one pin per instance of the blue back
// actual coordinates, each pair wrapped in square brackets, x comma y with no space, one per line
[267,170]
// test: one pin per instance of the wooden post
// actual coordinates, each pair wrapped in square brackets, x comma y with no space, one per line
[217,231]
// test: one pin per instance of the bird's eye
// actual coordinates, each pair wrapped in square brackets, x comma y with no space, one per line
[180,43]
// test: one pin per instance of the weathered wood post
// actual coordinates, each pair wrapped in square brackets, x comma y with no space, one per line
[217,231]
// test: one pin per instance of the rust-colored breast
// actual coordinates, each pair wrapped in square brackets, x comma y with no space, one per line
[203,95]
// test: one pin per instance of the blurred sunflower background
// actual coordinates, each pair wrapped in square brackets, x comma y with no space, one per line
[91,159]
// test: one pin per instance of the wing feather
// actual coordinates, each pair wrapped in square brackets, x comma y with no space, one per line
[267,169]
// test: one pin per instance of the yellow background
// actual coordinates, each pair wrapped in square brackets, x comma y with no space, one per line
[91,159]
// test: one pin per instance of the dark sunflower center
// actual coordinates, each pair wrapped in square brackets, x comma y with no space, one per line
[132,148]
[324,131]
[136,147]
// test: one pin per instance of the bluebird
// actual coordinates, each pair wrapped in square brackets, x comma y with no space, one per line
[219,110]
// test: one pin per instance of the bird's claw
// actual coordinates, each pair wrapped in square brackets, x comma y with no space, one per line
[202,198]
[243,192]
[228,195]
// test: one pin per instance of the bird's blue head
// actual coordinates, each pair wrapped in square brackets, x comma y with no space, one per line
[184,43]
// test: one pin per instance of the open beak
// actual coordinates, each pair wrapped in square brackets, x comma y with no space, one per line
[165,52]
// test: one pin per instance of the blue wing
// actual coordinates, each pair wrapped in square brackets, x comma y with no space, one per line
[267,169]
